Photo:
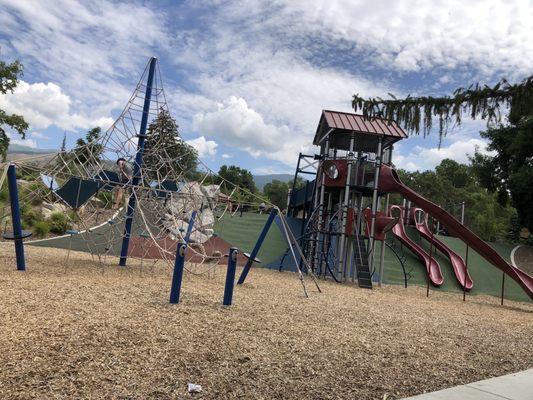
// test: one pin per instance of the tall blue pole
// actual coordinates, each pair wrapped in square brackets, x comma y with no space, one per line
[257,246]
[177,276]
[15,217]
[189,228]
[230,276]
[138,163]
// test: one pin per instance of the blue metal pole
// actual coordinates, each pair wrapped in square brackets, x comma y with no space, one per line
[189,228]
[257,246]
[15,217]
[177,276]
[138,163]
[230,276]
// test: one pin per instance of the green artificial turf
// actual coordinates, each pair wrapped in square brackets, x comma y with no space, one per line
[243,232]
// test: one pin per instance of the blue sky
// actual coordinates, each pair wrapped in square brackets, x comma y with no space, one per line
[247,80]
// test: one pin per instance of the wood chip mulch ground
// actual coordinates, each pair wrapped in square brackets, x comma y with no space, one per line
[87,334]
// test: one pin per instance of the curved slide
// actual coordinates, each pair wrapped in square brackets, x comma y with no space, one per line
[432,266]
[458,264]
[390,182]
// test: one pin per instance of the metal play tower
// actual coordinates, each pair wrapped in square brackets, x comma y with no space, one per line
[340,210]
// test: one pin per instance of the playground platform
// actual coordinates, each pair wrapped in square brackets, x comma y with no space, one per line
[518,386]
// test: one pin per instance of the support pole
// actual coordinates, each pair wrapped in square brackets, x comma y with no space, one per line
[257,246]
[430,254]
[462,213]
[230,276]
[382,253]
[177,276]
[344,212]
[190,226]
[466,273]
[318,248]
[374,205]
[503,286]
[138,164]
[15,217]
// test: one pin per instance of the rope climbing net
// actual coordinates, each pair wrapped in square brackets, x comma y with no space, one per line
[139,183]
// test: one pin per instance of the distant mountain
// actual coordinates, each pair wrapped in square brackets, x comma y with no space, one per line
[262,180]
[18,148]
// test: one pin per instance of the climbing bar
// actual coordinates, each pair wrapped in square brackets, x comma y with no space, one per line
[177,276]
[230,276]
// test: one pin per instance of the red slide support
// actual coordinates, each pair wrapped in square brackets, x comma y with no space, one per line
[432,266]
[390,182]
[458,264]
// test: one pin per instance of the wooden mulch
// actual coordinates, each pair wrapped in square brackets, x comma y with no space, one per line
[85,333]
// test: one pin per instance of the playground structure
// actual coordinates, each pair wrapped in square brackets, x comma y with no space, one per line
[171,209]
[332,225]
[345,210]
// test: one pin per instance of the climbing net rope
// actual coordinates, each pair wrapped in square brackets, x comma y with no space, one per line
[169,196]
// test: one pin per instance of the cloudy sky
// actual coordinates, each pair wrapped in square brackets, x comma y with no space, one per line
[247,80]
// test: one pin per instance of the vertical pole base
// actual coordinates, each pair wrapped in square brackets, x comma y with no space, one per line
[230,277]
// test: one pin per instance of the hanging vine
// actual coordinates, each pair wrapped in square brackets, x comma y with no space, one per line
[417,114]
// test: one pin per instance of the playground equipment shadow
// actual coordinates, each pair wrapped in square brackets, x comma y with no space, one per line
[112,334]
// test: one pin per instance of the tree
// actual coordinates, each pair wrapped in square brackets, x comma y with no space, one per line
[277,192]
[9,75]
[458,174]
[165,152]
[238,176]
[510,172]
[448,187]
[417,113]
[89,149]
[63,148]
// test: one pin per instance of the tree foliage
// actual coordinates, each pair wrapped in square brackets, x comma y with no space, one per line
[238,176]
[89,149]
[449,185]
[9,76]
[165,151]
[277,192]
[416,113]
[509,173]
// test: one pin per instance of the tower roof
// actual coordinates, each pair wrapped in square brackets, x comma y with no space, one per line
[365,130]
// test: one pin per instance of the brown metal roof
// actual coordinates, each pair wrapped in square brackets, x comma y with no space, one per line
[357,123]
[367,130]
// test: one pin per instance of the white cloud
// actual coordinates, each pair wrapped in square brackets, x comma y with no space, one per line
[423,158]
[39,135]
[205,148]
[227,156]
[488,36]
[23,142]
[237,125]
[45,104]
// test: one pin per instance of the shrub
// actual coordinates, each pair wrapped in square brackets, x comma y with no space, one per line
[41,228]
[31,217]
[58,223]
[4,193]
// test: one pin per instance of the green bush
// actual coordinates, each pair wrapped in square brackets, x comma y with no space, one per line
[4,194]
[58,223]
[106,198]
[30,217]
[41,228]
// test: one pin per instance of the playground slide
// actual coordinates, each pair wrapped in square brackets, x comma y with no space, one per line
[432,266]
[390,182]
[458,264]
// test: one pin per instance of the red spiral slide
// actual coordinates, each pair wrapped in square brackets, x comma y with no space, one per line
[389,182]
[458,264]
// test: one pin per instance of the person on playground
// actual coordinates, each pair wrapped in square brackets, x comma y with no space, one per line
[124,175]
